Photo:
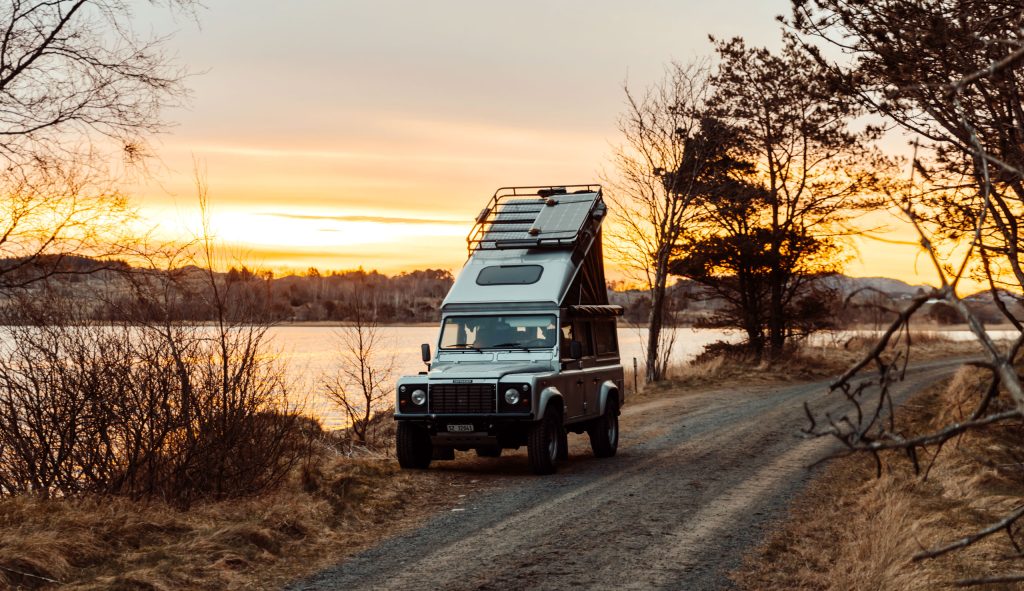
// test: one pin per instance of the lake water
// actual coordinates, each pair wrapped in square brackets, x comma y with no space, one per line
[312,351]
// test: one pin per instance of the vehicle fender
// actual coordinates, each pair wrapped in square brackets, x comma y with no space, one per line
[609,390]
[547,395]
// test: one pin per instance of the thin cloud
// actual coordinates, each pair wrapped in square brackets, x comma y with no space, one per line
[363,218]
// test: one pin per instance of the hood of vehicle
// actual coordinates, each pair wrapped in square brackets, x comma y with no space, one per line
[484,370]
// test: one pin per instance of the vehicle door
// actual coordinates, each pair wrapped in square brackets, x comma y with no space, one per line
[592,372]
[607,365]
[573,377]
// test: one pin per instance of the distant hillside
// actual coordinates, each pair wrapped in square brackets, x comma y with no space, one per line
[859,301]
[888,285]
[115,290]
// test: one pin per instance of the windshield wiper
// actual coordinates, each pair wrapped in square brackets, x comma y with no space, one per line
[513,345]
[465,346]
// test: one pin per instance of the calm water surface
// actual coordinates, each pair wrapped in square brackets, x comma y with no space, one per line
[313,351]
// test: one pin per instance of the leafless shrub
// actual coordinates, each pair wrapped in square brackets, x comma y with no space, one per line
[147,407]
[128,409]
[361,387]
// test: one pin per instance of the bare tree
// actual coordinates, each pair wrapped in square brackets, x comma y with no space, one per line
[362,386]
[950,72]
[652,188]
[74,72]
[77,85]
[63,209]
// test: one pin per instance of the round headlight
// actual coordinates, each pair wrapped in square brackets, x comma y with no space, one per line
[512,396]
[418,397]
[401,389]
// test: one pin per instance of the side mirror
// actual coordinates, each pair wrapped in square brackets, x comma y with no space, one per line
[425,352]
[576,350]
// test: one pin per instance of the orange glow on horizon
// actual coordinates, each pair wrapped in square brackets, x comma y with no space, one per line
[291,240]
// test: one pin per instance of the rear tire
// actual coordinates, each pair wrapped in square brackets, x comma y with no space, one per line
[604,431]
[545,442]
[413,447]
[563,446]
[489,451]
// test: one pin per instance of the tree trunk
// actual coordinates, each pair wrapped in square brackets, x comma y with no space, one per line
[755,337]
[776,317]
[657,319]
[750,312]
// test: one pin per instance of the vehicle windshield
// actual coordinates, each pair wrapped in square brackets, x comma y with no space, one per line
[538,331]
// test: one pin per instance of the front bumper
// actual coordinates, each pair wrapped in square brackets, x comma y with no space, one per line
[464,418]
[503,430]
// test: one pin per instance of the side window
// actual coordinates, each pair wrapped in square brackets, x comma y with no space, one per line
[567,336]
[605,337]
[585,330]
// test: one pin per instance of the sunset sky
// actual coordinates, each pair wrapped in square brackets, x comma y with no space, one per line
[370,133]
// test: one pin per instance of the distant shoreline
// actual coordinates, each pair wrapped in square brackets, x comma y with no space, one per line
[346,323]
[920,327]
[622,326]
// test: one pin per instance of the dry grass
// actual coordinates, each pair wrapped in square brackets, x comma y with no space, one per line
[850,530]
[330,509]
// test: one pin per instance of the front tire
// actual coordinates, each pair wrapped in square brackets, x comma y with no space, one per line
[545,443]
[413,447]
[604,431]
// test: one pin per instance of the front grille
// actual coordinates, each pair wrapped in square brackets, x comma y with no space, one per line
[462,398]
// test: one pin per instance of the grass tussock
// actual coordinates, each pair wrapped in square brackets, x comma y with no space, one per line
[330,507]
[850,530]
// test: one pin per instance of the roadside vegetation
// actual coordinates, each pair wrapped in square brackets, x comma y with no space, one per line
[852,529]
[944,75]
[328,508]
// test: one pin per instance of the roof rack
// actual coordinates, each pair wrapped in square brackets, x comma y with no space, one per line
[546,216]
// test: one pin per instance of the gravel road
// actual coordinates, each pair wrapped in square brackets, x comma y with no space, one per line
[697,480]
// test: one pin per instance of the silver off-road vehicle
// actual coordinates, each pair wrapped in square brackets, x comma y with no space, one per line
[527,350]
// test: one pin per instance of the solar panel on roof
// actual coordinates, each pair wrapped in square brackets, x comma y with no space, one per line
[566,217]
[514,221]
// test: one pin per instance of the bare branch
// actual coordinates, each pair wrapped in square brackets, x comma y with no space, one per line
[965,541]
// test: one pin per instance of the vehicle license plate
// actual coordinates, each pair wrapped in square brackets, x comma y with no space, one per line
[460,428]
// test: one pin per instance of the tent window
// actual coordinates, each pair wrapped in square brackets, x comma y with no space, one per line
[605,337]
[509,275]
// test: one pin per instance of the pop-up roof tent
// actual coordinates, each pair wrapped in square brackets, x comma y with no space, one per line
[533,248]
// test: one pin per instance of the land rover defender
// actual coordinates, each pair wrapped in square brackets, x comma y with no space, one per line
[527,350]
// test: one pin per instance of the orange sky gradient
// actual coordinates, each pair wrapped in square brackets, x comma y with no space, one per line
[369,134]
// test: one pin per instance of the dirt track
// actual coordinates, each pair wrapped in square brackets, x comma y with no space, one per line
[697,480]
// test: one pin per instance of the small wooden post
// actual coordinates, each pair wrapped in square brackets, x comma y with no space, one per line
[635,377]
